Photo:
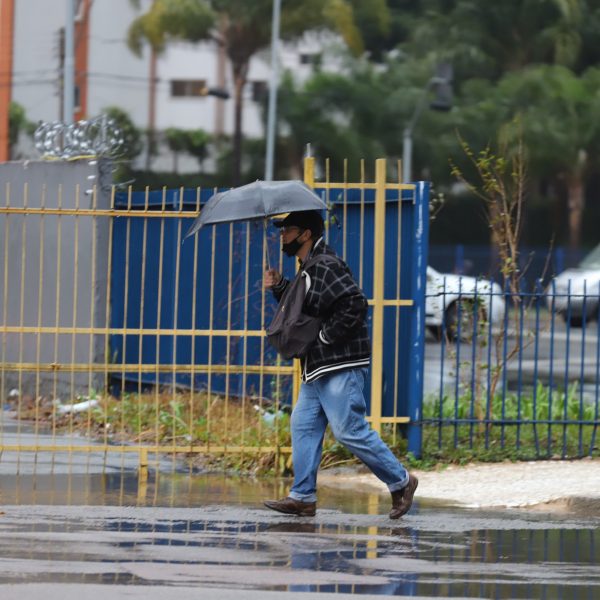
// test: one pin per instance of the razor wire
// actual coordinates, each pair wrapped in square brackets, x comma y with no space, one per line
[97,137]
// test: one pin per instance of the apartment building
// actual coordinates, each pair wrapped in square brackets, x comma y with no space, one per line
[107,73]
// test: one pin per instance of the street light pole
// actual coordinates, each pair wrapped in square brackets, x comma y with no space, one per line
[273,84]
[443,103]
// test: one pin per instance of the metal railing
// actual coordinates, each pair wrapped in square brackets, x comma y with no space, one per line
[115,331]
[512,375]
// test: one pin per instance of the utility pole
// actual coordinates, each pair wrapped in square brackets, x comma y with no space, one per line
[69,64]
[274,82]
[61,74]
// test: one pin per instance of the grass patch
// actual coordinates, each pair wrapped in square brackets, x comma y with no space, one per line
[181,420]
[543,423]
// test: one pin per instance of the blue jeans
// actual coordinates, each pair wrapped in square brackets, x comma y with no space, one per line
[337,399]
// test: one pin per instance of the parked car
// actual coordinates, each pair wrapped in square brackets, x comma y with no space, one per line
[457,303]
[575,293]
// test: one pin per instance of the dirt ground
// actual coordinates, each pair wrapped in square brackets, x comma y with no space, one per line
[560,485]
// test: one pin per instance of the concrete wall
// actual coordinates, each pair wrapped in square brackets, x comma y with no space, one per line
[53,273]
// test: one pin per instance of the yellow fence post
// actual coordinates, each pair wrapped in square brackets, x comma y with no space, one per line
[309,179]
[143,475]
[378,280]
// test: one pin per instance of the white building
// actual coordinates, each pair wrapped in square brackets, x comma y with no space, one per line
[109,74]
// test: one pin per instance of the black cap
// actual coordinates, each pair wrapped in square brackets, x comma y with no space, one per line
[305,219]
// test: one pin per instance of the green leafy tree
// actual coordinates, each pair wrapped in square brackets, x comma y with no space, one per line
[17,123]
[559,116]
[489,39]
[176,140]
[194,142]
[242,28]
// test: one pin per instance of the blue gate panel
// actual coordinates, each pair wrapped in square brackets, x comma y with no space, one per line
[185,303]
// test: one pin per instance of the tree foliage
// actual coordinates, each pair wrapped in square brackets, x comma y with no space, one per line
[242,29]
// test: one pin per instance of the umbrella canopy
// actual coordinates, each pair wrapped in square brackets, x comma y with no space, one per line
[256,201]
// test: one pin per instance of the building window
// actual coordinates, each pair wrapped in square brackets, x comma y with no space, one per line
[188,87]
[259,90]
[310,58]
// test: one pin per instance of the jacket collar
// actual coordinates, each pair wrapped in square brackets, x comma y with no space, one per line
[318,248]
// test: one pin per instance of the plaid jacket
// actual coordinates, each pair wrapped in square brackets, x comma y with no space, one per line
[334,296]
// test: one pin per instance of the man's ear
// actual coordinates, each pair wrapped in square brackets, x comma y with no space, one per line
[306,237]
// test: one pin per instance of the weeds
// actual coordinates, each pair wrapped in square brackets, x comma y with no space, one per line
[519,429]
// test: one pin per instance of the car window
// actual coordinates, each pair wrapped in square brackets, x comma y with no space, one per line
[592,260]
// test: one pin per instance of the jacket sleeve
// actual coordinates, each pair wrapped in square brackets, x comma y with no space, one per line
[280,288]
[341,303]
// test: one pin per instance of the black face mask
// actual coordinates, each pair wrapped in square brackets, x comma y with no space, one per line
[292,247]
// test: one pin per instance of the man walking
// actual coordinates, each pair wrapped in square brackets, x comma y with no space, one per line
[333,373]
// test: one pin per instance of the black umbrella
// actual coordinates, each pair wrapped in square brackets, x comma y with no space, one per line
[257,200]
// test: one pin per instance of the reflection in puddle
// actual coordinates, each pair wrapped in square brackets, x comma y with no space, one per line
[212,530]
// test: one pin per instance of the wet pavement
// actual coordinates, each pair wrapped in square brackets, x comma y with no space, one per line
[208,536]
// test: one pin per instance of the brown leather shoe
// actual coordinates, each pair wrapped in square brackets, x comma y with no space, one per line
[289,506]
[402,499]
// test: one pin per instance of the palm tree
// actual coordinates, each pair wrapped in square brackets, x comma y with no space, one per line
[241,28]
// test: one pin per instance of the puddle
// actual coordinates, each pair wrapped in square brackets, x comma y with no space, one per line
[213,531]
[177,490]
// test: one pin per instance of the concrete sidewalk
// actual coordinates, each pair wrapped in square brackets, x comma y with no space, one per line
[558,485]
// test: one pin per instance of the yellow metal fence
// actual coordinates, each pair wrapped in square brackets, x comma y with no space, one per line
[66,385]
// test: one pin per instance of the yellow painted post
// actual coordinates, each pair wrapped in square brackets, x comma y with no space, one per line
[143,475]
[309,179]
[378,279]
[372,509]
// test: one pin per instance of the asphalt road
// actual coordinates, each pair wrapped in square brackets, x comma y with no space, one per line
[554,353]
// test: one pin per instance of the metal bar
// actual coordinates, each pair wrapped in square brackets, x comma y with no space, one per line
[228,341]
[538,299]
[38,348]
[133,330]
[75,300]
[457,346]
[488,394]
[193,319]
[442,399]
[566,374]
[504,370]
[597,386]
[211,316]
[128,212]
[57,307]
[417,327]
[92,305]
[474,361]
[245,340]
[4,309]
[397,312]
[520,370]
[22,307]
[363,185]
[142,311]
[513,422]
[361,237]
[175,296]
[107,309]
[551,374]
[581,373]
[156,449]
[378,295]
